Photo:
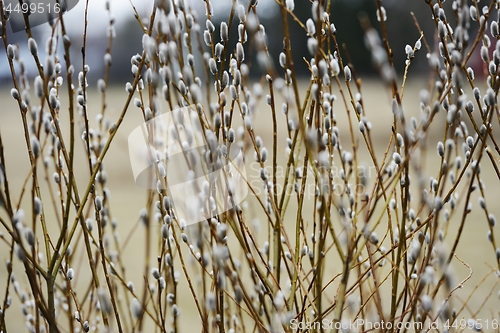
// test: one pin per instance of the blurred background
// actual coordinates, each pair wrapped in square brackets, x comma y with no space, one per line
[344,14]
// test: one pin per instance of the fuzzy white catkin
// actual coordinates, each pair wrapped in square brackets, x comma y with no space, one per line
[482,202]
[53,101]
[440,149]
[107,59]
[362,127]
[80,100]
[312,46]
[37,206]
[212,65]
[35,146]
[168,260]
[473,13]
[395,107]
[484,54]
[164,231]
[490,97]
[269,99]
[263,174]
[263,154]
[98,203]
[492,220]
[284,108]
[224,34]
[426,303]
[237,77]
[210,26]
[162,283]
[248,123]
[207,38]
[182,87]
[233,91]
[225,80]
[104,301]
[241,13]
[217,121]
[400,140]
[314,10]
[33,47]
[136,308]
[334,64]
[49,67]
[167,203]
[155,272]
[409,51]
[39,87]
[10,51]
[240,53]
[14,93]
[311,28]
[148,115]
[279,300]
[231,135]
[56,178]
[397,158]
[89,224]
[438,203]
[381,14]
[492,67]
[347,73]
[290,5]
[101,86]
[282,60]
[219,48]
[494,29]
[243,36]
[30,236]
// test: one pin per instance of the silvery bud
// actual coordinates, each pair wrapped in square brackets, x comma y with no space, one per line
[33,47]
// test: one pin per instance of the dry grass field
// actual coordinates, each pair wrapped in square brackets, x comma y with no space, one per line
[127,199]
[370,205]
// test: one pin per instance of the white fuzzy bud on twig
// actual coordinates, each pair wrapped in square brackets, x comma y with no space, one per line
[33,47]
[35,146]
[397,158]
[347,73]
[98,203]
[240,52]
[224,34]
[312,46]
[212,65]
[10,51]
[207,38]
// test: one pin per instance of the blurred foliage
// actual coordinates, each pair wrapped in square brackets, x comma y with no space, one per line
[344,14]
[350,35]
